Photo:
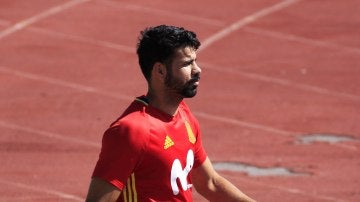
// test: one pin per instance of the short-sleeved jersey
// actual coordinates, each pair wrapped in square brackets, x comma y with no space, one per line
[149,155]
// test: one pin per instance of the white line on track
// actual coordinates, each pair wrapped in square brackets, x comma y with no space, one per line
[60,194]
[283,82]
[300,39]
[47,134]
[29,21]
[204,115]
[245,21]
[82,39]
[19,198]
[289,190]
[59,82]
[89,89]
[165,13]
[85,40]
[124,97]
[243,123]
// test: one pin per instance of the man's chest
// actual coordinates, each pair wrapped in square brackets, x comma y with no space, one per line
[169,157]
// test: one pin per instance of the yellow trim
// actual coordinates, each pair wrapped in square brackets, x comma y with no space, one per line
[134,187]
[190,133]
[125,194]
[129,191]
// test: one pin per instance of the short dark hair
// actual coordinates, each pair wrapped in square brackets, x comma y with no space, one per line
[158,44]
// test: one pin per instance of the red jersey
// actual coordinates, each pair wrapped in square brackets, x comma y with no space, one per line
[149,154]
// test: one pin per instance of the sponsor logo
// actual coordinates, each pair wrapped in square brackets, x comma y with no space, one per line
[168,142]
[178,173]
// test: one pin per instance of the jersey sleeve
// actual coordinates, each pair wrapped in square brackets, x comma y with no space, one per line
[120,152]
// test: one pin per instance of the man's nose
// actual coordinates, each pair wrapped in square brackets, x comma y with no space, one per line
[196,69]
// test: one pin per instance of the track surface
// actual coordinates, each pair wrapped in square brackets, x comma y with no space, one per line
[273,72]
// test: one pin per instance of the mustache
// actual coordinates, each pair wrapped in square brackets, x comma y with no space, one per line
[196,78]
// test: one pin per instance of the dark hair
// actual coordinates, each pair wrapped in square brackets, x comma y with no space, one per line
[158,44]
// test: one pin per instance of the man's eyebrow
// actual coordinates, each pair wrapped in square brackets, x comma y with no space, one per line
[190,60]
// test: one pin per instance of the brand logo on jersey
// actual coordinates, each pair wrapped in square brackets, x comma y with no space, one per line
[180,174]
[168,142]
[190,133]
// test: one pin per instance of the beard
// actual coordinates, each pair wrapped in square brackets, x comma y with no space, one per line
[187,90]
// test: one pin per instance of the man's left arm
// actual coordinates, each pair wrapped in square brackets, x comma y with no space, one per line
[215,187]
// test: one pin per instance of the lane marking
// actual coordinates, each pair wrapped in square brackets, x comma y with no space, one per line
[60,194]
[124,97]
[243,123]
[298,192]
[31,20]
[130,49]
[299,39]
[67,84]
[85,40]
[165,13]
[18,198]
[245,21]
[47,134]
[283,82]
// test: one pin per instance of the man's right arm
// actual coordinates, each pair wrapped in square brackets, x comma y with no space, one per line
[102,191]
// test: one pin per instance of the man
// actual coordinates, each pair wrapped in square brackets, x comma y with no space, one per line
[153,152]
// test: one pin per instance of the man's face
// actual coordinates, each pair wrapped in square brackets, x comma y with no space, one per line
[183,75]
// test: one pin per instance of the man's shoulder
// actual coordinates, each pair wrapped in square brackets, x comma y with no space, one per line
[136,119]
[134,113]
[129,129]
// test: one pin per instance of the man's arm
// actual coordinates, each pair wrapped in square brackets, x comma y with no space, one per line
[102,191]
[214,187]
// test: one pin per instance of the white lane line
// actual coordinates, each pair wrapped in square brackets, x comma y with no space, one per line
[165,13]
[60,194]
[245,21]
[305,193]
[82,39]
[86,40]
[59,82]
[124,97]
[29,21]
[46,79]
[290,190]
[130,49]
[303,40]
[283,82]
[130,98]
[18,198]
[245,124]
[47,134]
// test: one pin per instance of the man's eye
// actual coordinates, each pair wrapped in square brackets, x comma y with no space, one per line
[188,63]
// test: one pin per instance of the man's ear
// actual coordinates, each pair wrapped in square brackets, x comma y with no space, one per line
[159,71]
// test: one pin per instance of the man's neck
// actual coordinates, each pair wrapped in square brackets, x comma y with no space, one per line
[165,103]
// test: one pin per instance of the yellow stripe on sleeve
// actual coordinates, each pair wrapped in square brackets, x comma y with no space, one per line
[134,187]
